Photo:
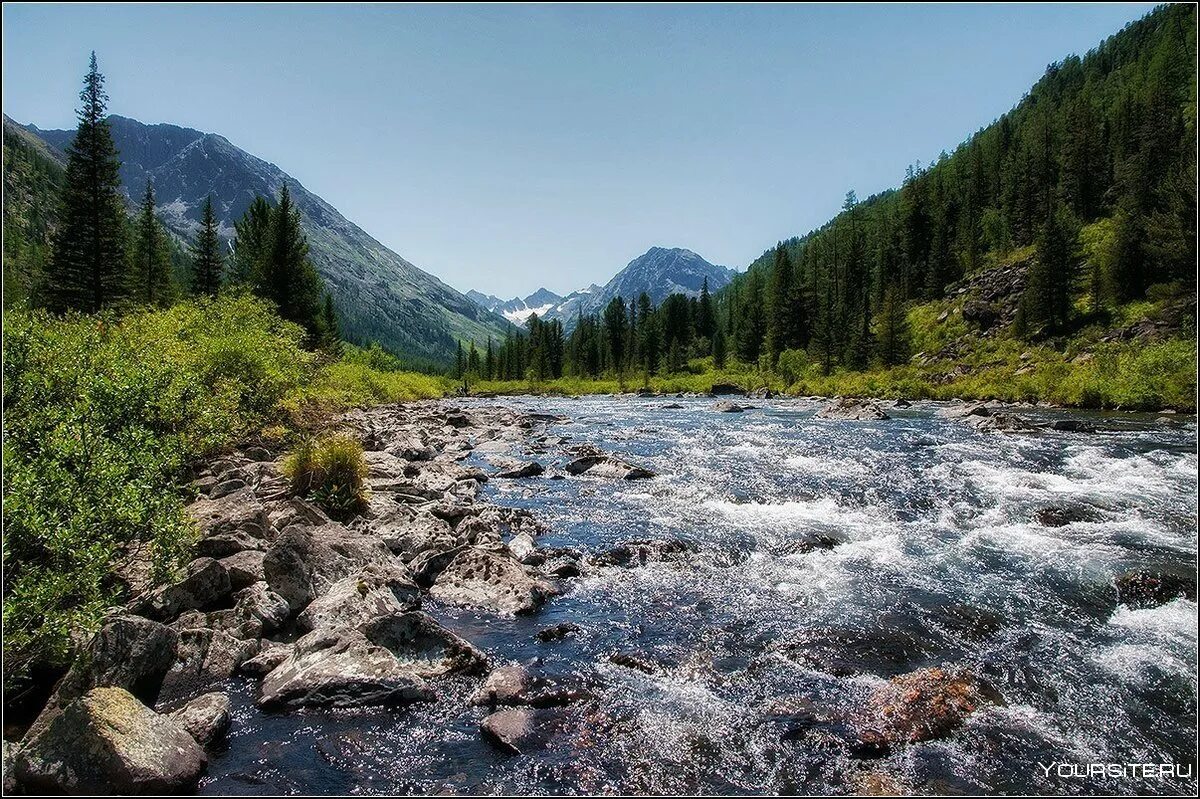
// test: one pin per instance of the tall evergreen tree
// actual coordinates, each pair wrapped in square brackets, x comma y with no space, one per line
[1046,302]
[330,330]
[151,274]
[251,244]
[89,270]
[207,263]
[288,277]
[706,320]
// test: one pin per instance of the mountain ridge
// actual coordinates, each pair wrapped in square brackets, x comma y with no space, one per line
[379,295]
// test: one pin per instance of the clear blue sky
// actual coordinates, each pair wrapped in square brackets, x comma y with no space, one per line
[507,147]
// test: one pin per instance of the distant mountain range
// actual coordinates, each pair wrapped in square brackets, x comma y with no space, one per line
[378,294]
[659,272]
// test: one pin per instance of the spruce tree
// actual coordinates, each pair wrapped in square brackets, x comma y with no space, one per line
[151,273]
[251,245]
[706,320]
[207,263]
[89,270]
[288,277]
[1046,302]
[330,331]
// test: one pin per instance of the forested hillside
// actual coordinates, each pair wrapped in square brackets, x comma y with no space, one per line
[1080,200]
[33,178]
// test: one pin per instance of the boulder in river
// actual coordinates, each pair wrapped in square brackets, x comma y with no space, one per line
[492,581]
[1062,515]
[305,561]
[606,466]
[728,406]
[518,470]
[522,730]
[518,685]
[206,718]
[851,409]
[1143,588]
[922,705]
[106,741]
[204,657]
[374,591]
[999,423]
[557,632]
[639,552]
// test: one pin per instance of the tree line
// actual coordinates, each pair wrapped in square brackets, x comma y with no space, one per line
[634,337]
[1108,138]
[102,259]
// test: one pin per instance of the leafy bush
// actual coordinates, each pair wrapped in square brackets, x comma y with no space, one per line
[331,471]
[102,417]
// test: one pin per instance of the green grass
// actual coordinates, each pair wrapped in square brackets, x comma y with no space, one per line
[330,470]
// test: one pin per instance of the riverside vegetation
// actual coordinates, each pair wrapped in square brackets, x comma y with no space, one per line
[1030,265]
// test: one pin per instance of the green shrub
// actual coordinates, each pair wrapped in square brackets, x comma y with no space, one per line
[101,418]
[331,471]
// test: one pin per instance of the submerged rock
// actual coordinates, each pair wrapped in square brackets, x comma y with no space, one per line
[108,742]
[518,685]
[999,423]
[922,705]
[850,409]
[1147,589]
[557,632]
[1060,516]
[642,551]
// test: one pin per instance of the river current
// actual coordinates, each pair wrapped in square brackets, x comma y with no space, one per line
[932,554]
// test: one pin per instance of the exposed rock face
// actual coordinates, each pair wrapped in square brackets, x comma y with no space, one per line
[606,466]
[108,742]
[922,705]
[850,409]
[127,652]
[206,718]
[492,581]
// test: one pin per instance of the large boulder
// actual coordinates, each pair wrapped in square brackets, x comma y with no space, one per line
[107,742]
[127,652]
[1143,588]
[408,532]
[606,466]
[728,406]
[305,561]
[236,512]
[384,662]
[850,409]
[245,568]
[351,601]
[206,718]
[639,552]
[997,422]
[490,580]
[204,584]
[204,657]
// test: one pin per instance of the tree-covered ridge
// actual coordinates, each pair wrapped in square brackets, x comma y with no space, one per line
[1107,138]
[32,184]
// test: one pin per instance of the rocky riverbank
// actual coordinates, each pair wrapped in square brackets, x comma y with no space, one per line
[328,613]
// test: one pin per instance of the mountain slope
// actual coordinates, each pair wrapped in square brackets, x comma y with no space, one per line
[378,294]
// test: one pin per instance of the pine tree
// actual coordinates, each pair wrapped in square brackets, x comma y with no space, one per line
[720,348]
[706,321]
[89,270]
[460,362]
[892,331]
[151,256]
[1046,303]
[781,305]
[207,263]
[489,361]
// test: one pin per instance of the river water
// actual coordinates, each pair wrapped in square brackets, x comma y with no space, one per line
[939,560]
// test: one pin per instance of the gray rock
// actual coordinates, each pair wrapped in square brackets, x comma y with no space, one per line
[999,423]
[206,718]
[384,662]
[205,583]
[204,657]
[492,581]
[408,532]
[519,686]
[108,742]
[728,406]
[127,652]
[245,568]
[608,467]
[351,601]
[850,409]
[240,510]
[267,660]
[520,470]
[642,551]
[305,561]
[258,603]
